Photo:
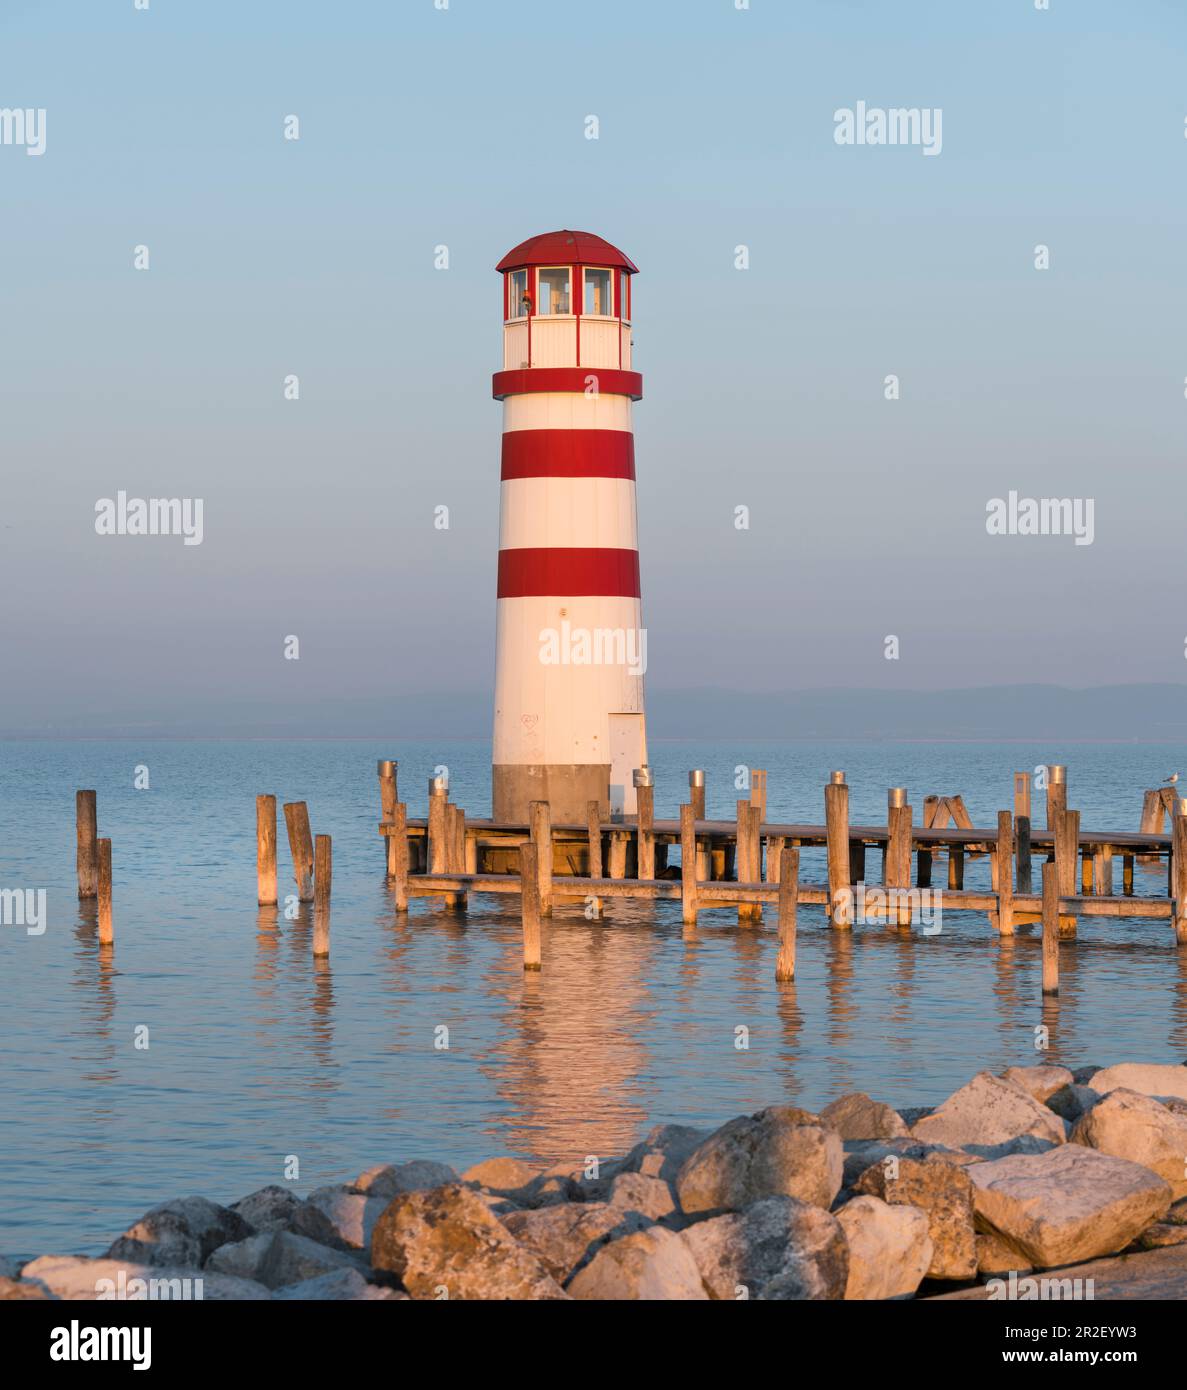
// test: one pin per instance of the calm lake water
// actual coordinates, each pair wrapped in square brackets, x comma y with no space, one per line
[255,1054]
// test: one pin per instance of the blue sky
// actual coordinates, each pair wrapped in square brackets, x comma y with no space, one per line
[763,388]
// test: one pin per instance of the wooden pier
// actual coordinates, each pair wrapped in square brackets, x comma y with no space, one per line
[740,863]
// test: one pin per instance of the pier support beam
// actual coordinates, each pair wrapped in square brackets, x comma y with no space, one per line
[789,886]
[266,850]
[86,825]
[836,817]
[296,821]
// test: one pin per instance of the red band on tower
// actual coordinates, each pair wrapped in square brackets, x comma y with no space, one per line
[568,572]
[568,454]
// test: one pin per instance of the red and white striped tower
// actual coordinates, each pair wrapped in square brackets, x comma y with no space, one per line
[570,649]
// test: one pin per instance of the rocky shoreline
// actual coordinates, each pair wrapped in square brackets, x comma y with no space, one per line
[1038,1169]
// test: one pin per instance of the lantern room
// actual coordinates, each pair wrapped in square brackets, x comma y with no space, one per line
[566,303]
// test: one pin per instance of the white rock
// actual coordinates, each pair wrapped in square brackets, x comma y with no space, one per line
[1068,1204]
[655,1264]
[889,1248]
[986,1112]
[77,1279]
[1041,1082]
[1150,1078]
[1130,1125]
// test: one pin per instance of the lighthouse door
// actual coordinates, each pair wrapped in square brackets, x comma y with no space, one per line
[626,754]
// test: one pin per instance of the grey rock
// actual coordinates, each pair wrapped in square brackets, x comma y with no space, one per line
[1082,1076]
[15,1290]
[277,1258]
[182,1232]
[663,1152]
[863,1153]
[781,1151]
[912,1114]
[269,1209]
[776,1249]
[350,1216]
[652,1197]
[390,1179]
[1072,1102]
[856,1116]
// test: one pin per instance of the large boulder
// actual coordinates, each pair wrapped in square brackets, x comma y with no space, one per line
[566,1236]
[779,1152]
[269,1209]
[277,1258]
[652,1197]
[1130,1125]
[1070,1203]
[1150,1078]
[945,1194]
[986,1112]
[390,1179]
[856,1116]
[889,1248]
[1040,1082]
[655,1264]
[860,1154]
[182,1232]
[777,1248]
[77,1279]
[663,1152]
[505,1174]
[444,1243]
[349,1216]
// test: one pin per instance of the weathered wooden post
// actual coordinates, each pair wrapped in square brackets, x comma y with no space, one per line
[1050,929]
[1022,831]
[398,837]
[593,831]
[1102,871]
[540,820]
[619,840]
[688,866]
[836,817]
[696,792]
[747,857]
[924,862]
[645,822]
[897,864]
[455,833]
[1152,813]
[103,890]
[1056,792]
[529,900]
[387,769]
[265,850]
[1067,837]
[296,821]
[789,886]
[437,829]
[776,844]
[86,825]
[1005,878]
[322,880]
[1179,860]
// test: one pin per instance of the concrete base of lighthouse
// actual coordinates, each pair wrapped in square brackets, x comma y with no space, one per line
[567,788]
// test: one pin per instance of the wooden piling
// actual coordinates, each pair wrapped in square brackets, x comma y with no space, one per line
[1056,792]
[1050,929]
[619,840]
[1067,835]
[322,880]
[265,850]
[899,819]
[86,825]
[1102,871]
[593,823]
[438,829]
[1022,851]
[775,847]
[696,792]
[789,883]
[747,839]
[1005,878]
[1022,795]
[1153,810]
[645,820]
[758,791]
[296,821]
[688,866]
[399,838]
[836,816]
[540,822]
[103,890]
[923,860]
[455,834]
[1179,862]
[529,898]
[386,768]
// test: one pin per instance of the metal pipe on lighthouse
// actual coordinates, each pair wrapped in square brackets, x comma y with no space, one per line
[571,648]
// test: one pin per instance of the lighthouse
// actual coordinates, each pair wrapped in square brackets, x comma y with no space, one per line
[570,647]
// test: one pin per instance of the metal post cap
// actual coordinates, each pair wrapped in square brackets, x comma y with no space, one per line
[386,766]
[642,776]
[696,778]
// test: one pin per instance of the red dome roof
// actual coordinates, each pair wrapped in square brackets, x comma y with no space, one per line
[565,248]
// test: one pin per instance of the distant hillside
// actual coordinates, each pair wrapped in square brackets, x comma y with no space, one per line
[1141,713]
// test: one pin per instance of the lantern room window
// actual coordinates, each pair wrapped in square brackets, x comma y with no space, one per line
[597,293]
[624,302]
[554,291]
[517,294]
